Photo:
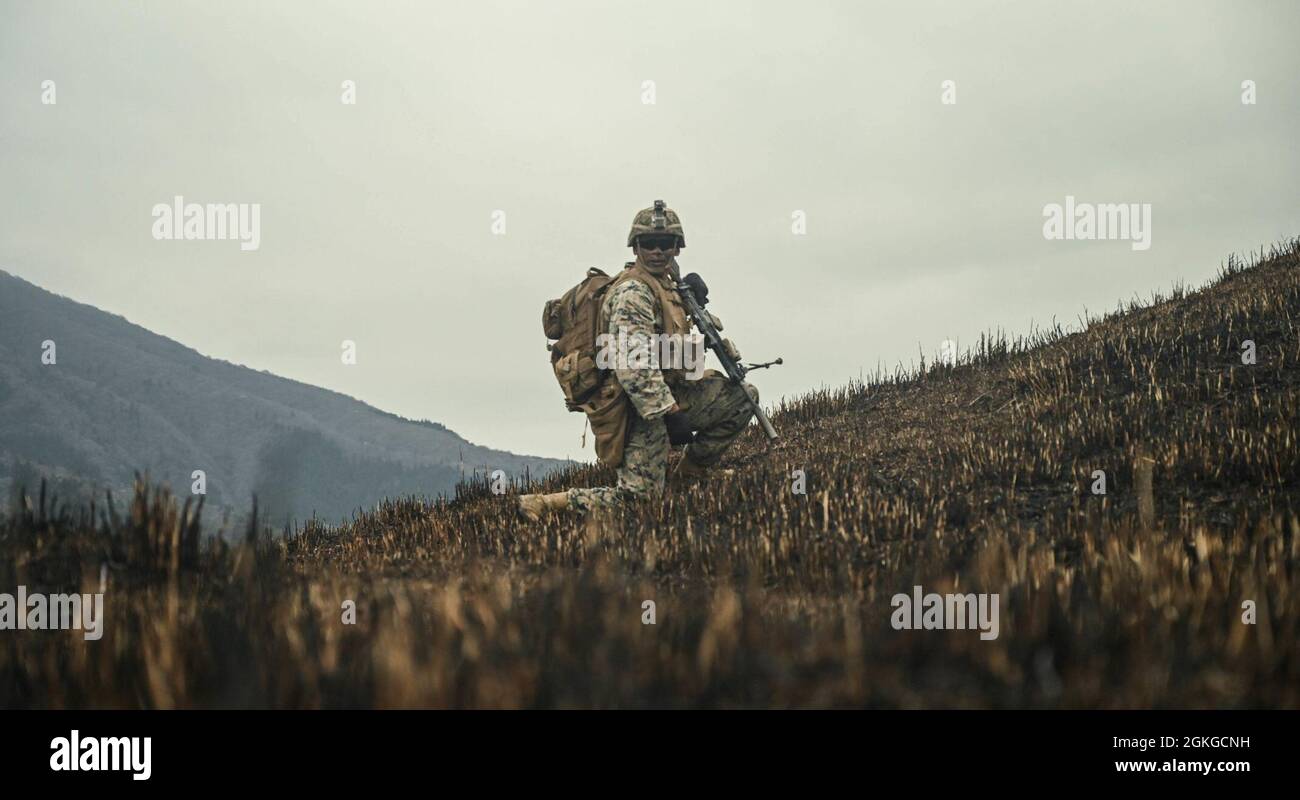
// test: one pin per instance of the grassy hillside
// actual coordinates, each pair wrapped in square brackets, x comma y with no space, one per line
[974,477]
[120,399]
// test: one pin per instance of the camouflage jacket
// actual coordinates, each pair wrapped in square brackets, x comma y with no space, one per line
[632,307]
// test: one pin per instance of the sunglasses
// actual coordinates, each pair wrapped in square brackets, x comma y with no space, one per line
[660,243]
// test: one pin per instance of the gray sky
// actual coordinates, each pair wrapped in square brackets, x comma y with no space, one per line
[924,220]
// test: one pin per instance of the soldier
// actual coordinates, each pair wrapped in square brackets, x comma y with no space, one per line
[666,407]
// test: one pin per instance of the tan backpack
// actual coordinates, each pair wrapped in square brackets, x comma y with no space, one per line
[574,321]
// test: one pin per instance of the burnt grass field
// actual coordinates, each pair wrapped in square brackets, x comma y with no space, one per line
[973,477]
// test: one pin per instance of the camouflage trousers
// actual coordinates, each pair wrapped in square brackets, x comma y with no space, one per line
[718,413]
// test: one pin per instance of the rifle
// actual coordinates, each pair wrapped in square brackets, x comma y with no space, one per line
[713,341]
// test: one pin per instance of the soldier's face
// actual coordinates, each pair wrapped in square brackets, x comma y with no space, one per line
[656,251]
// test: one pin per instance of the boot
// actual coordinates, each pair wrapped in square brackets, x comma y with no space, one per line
[534,506]
[690,472]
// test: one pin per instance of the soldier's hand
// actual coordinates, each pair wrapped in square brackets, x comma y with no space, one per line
[679,428]
[698,288]
[731,349]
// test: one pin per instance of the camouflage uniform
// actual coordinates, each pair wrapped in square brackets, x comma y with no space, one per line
[716,408]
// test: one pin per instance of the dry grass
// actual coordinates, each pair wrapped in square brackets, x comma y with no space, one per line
[974,476]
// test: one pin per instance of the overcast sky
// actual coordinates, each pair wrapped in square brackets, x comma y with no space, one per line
[924,220]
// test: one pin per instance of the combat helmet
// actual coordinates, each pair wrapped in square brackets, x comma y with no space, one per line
[657,219]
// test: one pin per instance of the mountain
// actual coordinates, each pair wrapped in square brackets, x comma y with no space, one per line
[119,399]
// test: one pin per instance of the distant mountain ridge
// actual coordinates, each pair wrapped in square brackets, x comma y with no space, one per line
[121,399]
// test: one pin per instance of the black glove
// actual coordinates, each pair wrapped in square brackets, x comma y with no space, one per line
[679,428]
[698,288]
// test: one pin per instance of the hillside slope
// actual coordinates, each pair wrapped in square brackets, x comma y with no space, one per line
[981,477]
[1010,436]
[120,399]
[1175,587]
